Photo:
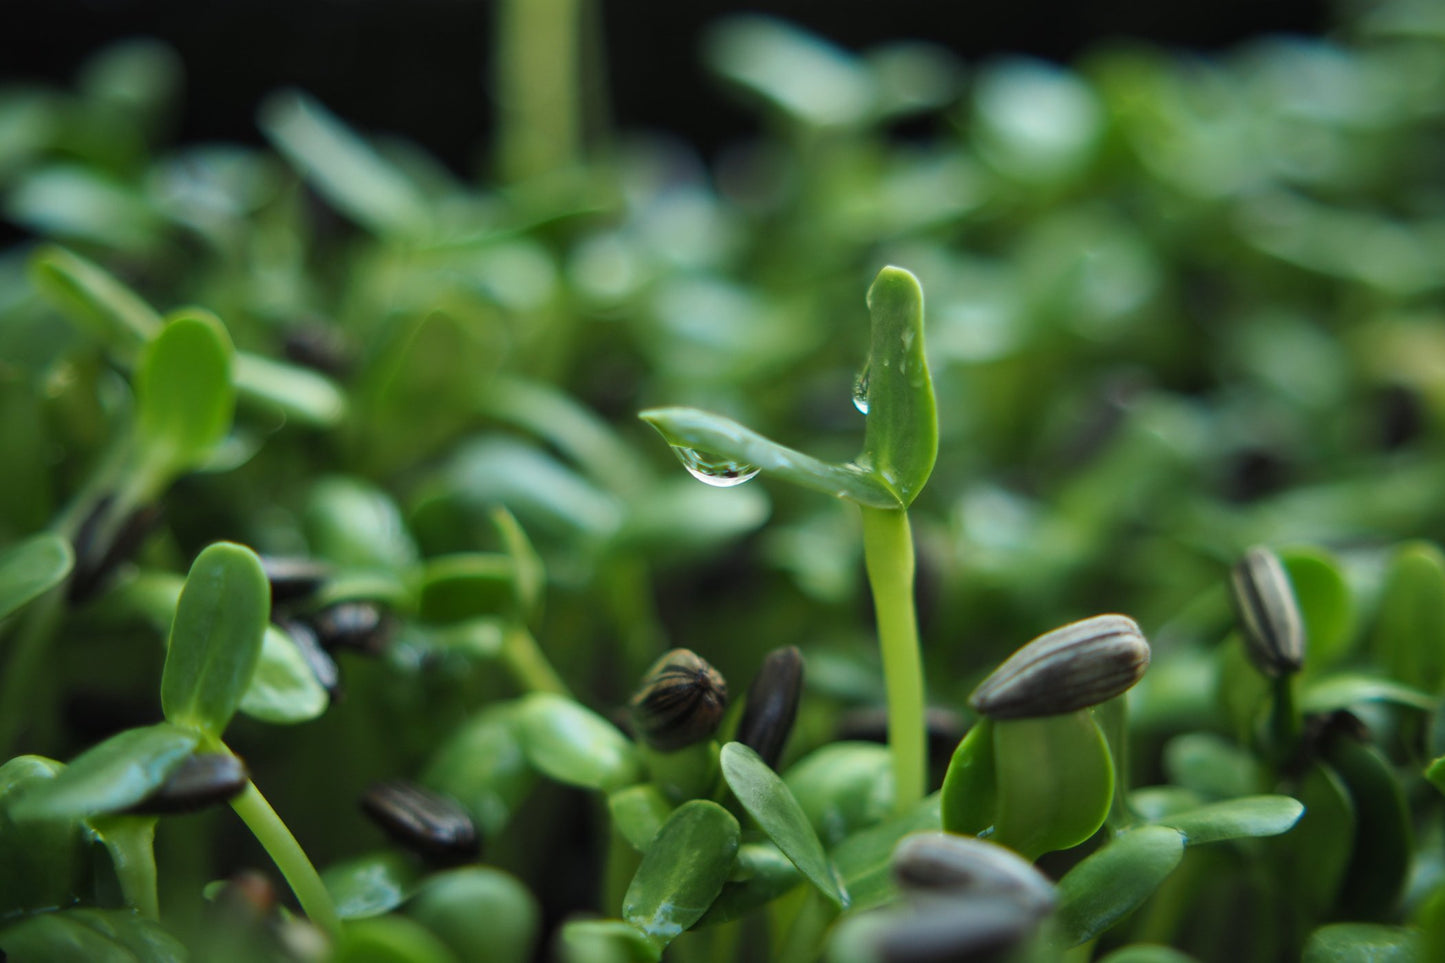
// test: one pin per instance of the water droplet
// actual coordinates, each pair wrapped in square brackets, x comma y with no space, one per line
[860,391]
[714,470]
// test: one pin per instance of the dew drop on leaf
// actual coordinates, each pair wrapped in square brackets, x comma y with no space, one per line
[714,470]
[860,391]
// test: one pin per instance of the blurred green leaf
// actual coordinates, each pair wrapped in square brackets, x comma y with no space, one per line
[1411,623]
[484,766]
[1114,881]
[371,885]
[864,859]
[86,293]
[42,855]
[843,787]
[1383,843]
[216,638]
[1325,602]
[638,812]
[574,745]
[481,913]
[184,394]
[796,72]
[1212,766]
[31,568]
[1342,690]
[297,393]
[389,939]
[91,936]
[1317,852]
[761,875]
[1363,943]
[109,776]
[283,690]
[605,941]
[353,523]
[767,799]
[683,870]
[1147,953]
[343,168]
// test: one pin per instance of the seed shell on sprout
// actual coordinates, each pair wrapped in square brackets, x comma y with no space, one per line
[1269,614]
[1073,667]
[203,780]
[942,929]
[361,626]
[964,867]
[293,579]
[772,704]
[429,823]
[680,702]
[322,665]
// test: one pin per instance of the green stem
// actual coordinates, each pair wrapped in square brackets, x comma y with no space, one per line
[288,856]
[131,843]
[1285,720]
[888,552]
[528,665]
[538,86]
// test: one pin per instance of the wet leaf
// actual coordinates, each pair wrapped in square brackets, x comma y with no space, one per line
[683,870]
[371,885]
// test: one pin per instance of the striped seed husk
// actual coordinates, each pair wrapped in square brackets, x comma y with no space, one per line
[433,825]
[1073,667]
[1269,614]
[680,702]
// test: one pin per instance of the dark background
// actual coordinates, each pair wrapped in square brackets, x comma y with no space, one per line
[420,67]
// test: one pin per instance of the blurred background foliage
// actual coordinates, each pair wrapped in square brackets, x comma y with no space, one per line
[1178,303]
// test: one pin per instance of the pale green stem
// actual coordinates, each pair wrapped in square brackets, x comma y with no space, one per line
[131,843]
[288,856]
[528,665]
[538,86]
[888,553]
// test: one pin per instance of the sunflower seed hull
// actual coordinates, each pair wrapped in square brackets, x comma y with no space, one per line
[1269,615]
[1073,667]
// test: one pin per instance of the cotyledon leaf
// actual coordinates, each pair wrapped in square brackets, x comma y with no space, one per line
[683,870]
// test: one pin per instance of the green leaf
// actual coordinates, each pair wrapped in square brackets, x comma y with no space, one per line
[1411,623]
[1055,782]
[484,767]
[1325,603]
[1343,691]
[692,430]
[970,786]
[638,812]
[284,690]
[31,568]
[389,939]
[42,856]
[92,297]
[529,577]
[901,443]
[91,936]
[216,638]
[354,523]
[480,913]
[797,72]
[372,884]
[298,393]
[605,941]
[1212,766]
[1236,818]
[767,799]
[342,167]
[1363,943]
[1383,847]
[864,859]
[1114,881]
[110,776]
[184,394]
[465,585]
[761,875]
[574,745]
[1147,953]
[843,787]
[1316,853]
[683,870]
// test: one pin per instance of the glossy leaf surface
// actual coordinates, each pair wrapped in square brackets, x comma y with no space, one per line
[843,787]
[901,443]
[970,787]
[1363,943]
[864,860]
[389,939]
[767,799]
[484,766]
[216,638]
[372,884]
[87,293]
[683,870]
[42,855]
[1236,818]
[480,913]
[1055,782]
[91,936]
[724,438]
[1411,622]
